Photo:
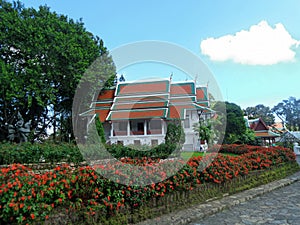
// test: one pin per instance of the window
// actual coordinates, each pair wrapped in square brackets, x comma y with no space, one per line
[120,126]
[155,124]
[154,127]
[187,121]
[137,127]
[140,127]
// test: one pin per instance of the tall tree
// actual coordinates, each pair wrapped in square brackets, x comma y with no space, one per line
[261,111]
[236,130]
[289,112]
[43,55]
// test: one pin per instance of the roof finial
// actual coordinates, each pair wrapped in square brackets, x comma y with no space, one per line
[122,79]
[171,76]
[196,77]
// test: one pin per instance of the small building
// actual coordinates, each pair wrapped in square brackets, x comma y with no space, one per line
[262,131]
[138,112]
[278,127]
[290,137]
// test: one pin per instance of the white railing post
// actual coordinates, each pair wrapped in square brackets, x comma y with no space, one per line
[296,148]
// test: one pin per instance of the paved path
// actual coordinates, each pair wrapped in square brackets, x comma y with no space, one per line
[281,206]
[277,202]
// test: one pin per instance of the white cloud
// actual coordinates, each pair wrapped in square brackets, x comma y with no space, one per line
[260,45]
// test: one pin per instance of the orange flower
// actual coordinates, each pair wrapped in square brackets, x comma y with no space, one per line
[32,216]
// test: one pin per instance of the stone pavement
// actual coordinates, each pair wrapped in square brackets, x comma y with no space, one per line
[281,206]
[275,203]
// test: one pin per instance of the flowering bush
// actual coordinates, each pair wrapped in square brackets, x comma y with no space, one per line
[28,196]
[234,148]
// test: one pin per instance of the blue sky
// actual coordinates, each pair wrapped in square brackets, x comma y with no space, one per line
[251,47]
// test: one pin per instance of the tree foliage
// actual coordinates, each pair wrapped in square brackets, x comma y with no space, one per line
[100,129]
[289,112]
[175,133]
[235,123]
[261,111]
[43,55]
[205,132]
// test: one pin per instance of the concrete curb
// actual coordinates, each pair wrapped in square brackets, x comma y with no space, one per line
[206,209]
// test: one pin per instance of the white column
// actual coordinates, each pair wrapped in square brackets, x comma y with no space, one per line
[112,129]
[128,128]
[145,127]
[162,127]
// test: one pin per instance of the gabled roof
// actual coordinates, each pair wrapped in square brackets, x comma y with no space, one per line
[102,113]
[130,98]
[142,87]
[202,94]
[290,136]
[266,134]
[257,124]
[137,114]
[149,99]
[106,95]
[183,89]
[140,105]
[177,111]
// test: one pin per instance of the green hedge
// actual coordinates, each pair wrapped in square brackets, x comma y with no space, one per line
[64,152]
[35,153]
[161,151]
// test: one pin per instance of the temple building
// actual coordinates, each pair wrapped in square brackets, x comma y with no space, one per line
[138,112]
[262,131]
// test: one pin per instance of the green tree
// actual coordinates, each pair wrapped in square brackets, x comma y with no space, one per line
[236,130]
[43,58]
[175,133]
[261,111]
[205,131]
[289,112]
[100,129]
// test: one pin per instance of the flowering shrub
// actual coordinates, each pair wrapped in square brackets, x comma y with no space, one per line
[234,148]
[28,196]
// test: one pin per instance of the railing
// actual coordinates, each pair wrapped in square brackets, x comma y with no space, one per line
[296,148]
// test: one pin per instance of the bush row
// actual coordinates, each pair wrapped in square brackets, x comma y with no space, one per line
[161,151]
[63,152]
[35,153]
[236,149]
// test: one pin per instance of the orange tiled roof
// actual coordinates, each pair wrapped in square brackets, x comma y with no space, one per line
[141,98]
[139,105]
[102,113]
[107,95]
[266,134]
[184,99]
[137,114]
[150,99]
[202,94]
[176,111]
[161,86]
[187,88]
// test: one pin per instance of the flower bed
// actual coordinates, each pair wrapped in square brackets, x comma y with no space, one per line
[28,196]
